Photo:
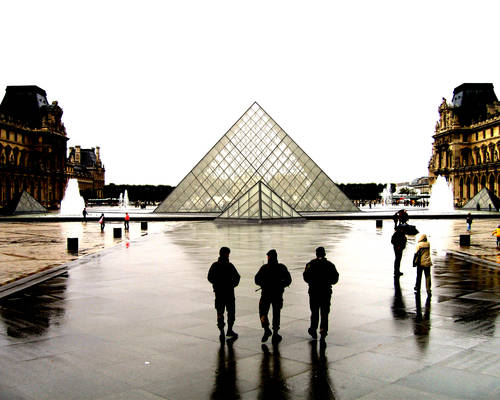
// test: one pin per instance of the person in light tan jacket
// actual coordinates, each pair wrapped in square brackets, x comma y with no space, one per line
[422,261]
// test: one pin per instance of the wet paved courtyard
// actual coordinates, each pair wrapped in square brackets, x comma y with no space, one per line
[136,321]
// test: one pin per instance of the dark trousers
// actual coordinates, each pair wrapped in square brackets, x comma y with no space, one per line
[427,272]
[266,301]
[126,225]
[224,302]
[319,303]
[398,254]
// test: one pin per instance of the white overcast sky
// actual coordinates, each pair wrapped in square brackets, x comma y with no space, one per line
[155,84]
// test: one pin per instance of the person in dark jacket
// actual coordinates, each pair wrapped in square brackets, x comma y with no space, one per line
[320,274]
[273,278]
[398,241]
[224,278]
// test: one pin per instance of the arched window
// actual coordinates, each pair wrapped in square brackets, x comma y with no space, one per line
[461,188]
[475,184]
[483,182]
[491,184]
[467,189]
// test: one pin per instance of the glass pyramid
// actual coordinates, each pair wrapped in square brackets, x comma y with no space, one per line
[255,149]
[259,203]
[23,203]
[485,199]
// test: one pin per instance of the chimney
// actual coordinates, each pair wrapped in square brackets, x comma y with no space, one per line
[98,154]
[77,155]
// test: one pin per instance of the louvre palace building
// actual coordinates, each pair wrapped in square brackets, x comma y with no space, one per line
[33,149]
[466,144]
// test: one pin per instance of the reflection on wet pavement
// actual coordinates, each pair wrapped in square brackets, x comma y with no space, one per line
[139,322]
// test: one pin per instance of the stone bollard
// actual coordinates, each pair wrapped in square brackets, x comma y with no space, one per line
[117,233]
[378,223]
[144,225]
[72,245]
[464,240]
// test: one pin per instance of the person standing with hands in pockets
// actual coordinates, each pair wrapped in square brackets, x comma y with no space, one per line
[320,274]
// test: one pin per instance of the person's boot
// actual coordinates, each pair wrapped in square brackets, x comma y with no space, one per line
[313,333]
[267,333]
[276,337]
[231,334]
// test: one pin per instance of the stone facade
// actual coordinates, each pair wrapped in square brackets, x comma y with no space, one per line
[32,146]
[85,165]
[467,142]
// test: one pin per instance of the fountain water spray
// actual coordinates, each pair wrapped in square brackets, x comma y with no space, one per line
[387,195]
[441,196]
[72,202]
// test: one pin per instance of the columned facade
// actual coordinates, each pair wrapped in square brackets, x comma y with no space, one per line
[466,144]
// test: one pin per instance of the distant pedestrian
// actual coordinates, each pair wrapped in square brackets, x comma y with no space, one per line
[84,213]
[224,278]
[102,222]
[273,278]
[320,274]
[127,220]
[398,241]
[496,233]
[468,220]
[422,261]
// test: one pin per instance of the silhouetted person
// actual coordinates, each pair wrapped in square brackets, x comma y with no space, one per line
[224,278]
[422,260]
[320,385]
[102,222]
[126,221]
[84,213]
[320,274]
[398,241]
[272,382]
[273,278]
[226,386]
[395,218]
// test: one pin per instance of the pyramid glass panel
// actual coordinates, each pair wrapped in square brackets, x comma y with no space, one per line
[256,149]
[259,203]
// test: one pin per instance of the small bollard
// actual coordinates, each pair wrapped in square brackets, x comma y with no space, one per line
[144,225]
[117,233]
[378,223]
[464,240]
[72,245]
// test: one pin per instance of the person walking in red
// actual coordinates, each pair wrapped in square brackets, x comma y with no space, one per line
[127,220]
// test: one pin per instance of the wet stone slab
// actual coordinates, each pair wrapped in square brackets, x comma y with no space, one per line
[137,321]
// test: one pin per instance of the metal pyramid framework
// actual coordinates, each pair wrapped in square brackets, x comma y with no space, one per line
[260,203]
[23,203]
[255,149]
[485,199]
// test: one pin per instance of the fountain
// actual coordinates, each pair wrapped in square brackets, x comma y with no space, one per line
[387,195]
[125,199]
[441,196]
[72,203]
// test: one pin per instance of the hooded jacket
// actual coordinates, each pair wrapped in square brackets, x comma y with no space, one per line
[422,257]
[273,277]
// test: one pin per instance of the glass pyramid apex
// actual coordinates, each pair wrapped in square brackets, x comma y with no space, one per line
[255,149]
[260,202]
